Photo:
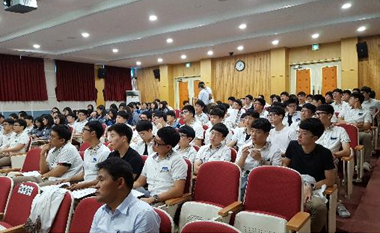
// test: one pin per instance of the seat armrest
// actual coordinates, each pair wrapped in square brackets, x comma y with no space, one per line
[179,200]
[330,190]
[234,207]
[1,216]
[15,229]
[297,222]
[347,158]
[373,127]
[359,147]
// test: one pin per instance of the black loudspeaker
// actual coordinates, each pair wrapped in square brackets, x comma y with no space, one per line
[102,73]
[362,49]
[156,73]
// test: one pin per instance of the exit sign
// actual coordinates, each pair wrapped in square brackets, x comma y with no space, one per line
[315,47]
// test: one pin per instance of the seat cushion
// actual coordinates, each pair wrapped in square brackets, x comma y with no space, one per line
[4,225]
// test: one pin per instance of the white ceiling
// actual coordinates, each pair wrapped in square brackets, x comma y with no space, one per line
[196,26]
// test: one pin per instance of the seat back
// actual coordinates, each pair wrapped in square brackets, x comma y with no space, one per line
[189,178]
[62,220]
[84,146]
[196,148]
[218,182]
[32,160]
[28,147]
[205,127]
[81,153]
[353,133]
[20,203]
[84,214]
[144,157]
[6,185]
[276,190]
[233,155]
[208,226]
[166,224]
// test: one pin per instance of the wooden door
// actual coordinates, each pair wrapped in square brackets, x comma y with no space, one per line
[329,79]
[196,89]
[183,93]
[303,81]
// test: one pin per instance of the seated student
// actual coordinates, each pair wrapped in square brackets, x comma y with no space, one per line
[284,96]
[13,116]
[184,148]
[71,119]
[121,136]
[122,212]
[29,124]
[165,171]
[188,112]
[216,150]
[62,161]
[258,152]
[7,133]
[318,100]
[82,121]
[17,144]
[199,112]
[146,116]
[307,112]
[60,119]
[48,122]
[329,97]
[110,117]
[362,119]
[216,116]
[145,131]
[96,153]
[301,98]
[242,136]
[37,131]
[339,105]
[2,118]
[237,107]
[309,158]
[159,121]
[369,104]
[280,135]
[292,115]
[248,102]
[259,105]
[171,119]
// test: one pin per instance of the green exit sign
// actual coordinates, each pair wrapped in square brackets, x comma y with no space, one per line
[188,65]
[315,47]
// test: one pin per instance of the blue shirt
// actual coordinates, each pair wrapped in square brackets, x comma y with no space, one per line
[132,215]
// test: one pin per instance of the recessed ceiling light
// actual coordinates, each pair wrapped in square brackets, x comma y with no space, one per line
[169,40]
[362,29]
[85,34]
[275,42]
[243,26]
[210,53]
[241,47]
[346,6]
[36,46]
[315,36]
[152,17]
[160,60]
[183,56]
[138,63]
[115,50]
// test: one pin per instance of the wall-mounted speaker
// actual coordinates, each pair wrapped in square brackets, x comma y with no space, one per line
[362,49]
[156,73]
[102,73]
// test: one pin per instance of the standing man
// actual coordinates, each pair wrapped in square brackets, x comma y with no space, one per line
[204,93]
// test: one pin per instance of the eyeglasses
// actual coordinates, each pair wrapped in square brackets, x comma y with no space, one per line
[184,112]
[272,115]
[89,130]
[155,143]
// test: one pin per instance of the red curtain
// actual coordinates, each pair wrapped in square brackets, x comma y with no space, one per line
[75,81]
[118,80]
[22,79]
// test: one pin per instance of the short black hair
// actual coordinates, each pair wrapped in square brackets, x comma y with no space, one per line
[9,121]
[262,124]
[356,90]
[1,116]
[326,108]
[200,103]
[118,168]
[372,94]
[217,112]
[160,114]
[147,114]
[49,119]
[347,92]
[231,98]
[28,117]
[301,93]
[21,122]
[338,90]
[144,125]
[285,93]
[252,113]
[313,125]
[310,107]
[277,110]
[63,131]
[276,97]
[169,135]
[309,96]
[249,97]
[73,115]
[366,89]
[189,131]
[13,115]
[357,95]
[221,128]
[123,114]
[189,108]
[171,113]
[238,102]
[319,97]
[122,130]
[97,127]
[329,93]
[84,111]
[22,114]
[221,107]
[291,101]
[262,101]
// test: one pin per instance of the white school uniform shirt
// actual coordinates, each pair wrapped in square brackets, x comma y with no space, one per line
[189,152]
[208,133]
[21,138]
[28,129]
[340,107]
[203,118]
[198,128]
[207,154]
[79,125]
[371,105]
[93,156]
[264,114]
[5,139]
[139,146]
[210,92]
[240,135]
[333,137]
[282,138]
[269,153]
[204,96]
[296,117]
[356,115]
[161,173]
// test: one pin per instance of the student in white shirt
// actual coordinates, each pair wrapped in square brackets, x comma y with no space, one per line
[29,124]
[301,98]
[199,112]
[146,116]
[369,104]
[82,121]
[71,119]
[216,150]
[259,105]
[231,100]
[188,113]
[339,105]
[292,115]
[362,119]
[248,102]
[284,96]
[165,171]
[159,120]
[184,148]
[7,133]
[237,106]
[346,96]
[307,112]
[96,153]
[280,135]
[216,116]
[242,135]
[145,131]
[2,118]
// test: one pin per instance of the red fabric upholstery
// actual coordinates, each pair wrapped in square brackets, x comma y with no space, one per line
[177,113]
[81,153]
[353,133]
[29,144]
[196,147]
[84,146]
[205,127]
[218,182]
[4,224]
[189,177]
[181,121]
[64,213]
[276,190]
[84,214]
[32,160]
[233,154]
[6,185]
[166,221]
[208,226]
[19,205]
[144,157]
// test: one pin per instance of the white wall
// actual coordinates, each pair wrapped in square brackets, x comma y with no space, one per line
[36,107]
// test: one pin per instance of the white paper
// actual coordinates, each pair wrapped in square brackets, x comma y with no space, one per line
[78,194]
[137,193]
[32,173]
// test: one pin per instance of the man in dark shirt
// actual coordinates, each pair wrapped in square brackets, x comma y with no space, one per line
[121,135]
[309,158]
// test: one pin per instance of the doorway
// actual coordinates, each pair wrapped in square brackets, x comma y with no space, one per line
[303,81]
[329,79]
[186,88]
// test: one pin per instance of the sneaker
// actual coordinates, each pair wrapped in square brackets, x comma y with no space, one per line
[342,211]
[367,166]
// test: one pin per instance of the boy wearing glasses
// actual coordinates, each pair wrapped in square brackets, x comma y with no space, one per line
[188,113]
[165,171]
[7,133]
[292,115]
[184,148]
[307,112]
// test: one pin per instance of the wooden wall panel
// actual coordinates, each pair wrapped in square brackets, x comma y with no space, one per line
[254,79]
[180,70]
[304,53]
[369,68]
[147,84]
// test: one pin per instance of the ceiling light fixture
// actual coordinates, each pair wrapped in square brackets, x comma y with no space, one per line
[160,60]
[169,40]
[362,29]
[243,26]
[36,46]
[346,6]
[315,36]
[241,47]
[152,18]
[210,53]
[85,34]
[183,56]
[115,50]
[138,63]
[275,42]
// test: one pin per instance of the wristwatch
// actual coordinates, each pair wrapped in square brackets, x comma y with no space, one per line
[155,198]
